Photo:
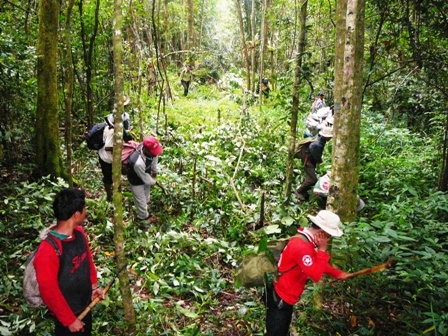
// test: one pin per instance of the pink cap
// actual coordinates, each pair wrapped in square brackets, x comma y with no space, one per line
[152,145]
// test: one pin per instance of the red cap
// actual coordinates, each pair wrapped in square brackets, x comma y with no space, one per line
[152,145]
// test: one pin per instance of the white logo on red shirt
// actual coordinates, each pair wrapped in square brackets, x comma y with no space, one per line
[307,260]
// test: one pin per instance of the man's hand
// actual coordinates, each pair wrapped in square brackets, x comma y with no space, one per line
[76,326]
[97,293]
[343,276]
[321,240]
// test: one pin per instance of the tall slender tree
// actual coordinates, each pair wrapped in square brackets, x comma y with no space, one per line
[239,15]
[68,72]
[190,37]
[88,51]
[116,164]
[295,100]
[48,153]
[345,157]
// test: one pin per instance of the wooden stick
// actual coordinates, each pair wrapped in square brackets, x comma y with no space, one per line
[98,299]
[374,269]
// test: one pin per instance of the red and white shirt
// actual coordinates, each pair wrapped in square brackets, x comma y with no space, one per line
[299,261]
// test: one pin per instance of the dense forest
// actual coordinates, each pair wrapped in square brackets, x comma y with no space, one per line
[227,173]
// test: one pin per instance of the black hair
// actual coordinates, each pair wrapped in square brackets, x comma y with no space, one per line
[314,226]
[67,202]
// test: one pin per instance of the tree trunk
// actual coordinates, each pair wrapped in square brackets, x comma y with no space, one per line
[254,43]
[88,60]
[295,102]
[68,90]
[243,43]
[48,153]
[346,136]
[262,49]
[443,179]
[116,165]
[190,42]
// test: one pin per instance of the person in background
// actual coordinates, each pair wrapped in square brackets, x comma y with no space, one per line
[143,175]
[322,188]
[312,157]
[186,76]
[318,102]
[68,283]
[265,89]
[304,257]
[105,153]
[127,127]
[151,77]
[105,158]
[316,121]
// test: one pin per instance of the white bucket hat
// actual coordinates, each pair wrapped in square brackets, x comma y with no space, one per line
[327,132]
[327,221]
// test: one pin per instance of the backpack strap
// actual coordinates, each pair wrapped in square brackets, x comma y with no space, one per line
[304,236]
[49,238]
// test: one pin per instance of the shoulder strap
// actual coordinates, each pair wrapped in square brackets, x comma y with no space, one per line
[53,243]
[302,236]
[134,156]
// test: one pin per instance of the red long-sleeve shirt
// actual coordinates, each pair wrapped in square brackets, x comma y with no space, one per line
[46,263]
[298,262]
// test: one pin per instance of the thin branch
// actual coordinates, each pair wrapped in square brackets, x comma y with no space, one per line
[17,6]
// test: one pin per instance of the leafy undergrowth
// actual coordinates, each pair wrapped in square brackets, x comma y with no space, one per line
[212,175]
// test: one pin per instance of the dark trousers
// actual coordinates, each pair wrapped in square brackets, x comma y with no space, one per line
[278,314]
[186,85]
[60,330]
[106,169]
[309,181]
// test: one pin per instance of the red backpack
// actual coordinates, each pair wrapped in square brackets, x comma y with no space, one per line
[128,148]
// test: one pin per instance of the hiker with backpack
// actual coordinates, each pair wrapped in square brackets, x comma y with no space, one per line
[304,257]
[142,174]
[310,157]
[105,152]
[105,157]
[68,282]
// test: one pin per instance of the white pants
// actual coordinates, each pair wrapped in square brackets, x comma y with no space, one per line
[141,194]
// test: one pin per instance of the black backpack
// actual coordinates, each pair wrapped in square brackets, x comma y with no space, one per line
[94,137]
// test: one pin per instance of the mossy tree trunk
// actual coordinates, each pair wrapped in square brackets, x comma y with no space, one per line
[116,164]
[88,46]
[68,74]
[295,102]
[345,157]
[48,153]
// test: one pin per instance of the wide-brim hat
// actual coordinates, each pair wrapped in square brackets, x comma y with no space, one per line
[326,132]
[152,145]
[328,221]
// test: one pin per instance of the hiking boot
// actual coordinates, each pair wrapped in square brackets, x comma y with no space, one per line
[148,221]
[299,197]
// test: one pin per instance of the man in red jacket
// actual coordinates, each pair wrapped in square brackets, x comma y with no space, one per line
[305,256]
[68,282]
